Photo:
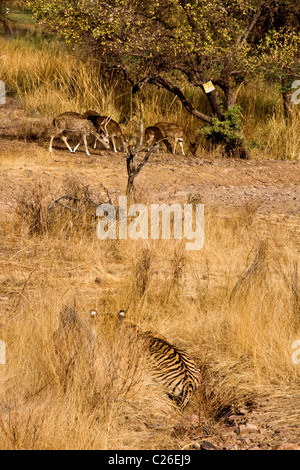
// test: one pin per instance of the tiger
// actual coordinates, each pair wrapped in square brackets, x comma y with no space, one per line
[175,368]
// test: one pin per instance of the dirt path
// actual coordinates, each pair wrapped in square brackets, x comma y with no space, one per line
[273,187]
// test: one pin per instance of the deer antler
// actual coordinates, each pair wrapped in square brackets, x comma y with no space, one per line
[104,124]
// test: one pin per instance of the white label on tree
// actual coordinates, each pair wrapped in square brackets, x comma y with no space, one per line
[208,87]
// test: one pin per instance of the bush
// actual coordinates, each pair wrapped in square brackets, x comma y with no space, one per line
[227,132]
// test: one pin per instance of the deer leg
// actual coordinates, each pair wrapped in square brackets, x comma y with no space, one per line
[98,138]
[95,143]
[57,133]
[76,147]
[181,145]
[50,145]
[64,139]
[114,143]
[85,144]
[168,145]
[175,144]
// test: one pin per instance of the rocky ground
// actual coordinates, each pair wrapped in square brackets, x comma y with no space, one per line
[271,425]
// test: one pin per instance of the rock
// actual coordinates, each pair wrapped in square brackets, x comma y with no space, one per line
[98,280]
[206,445]
[232,419]
[286,446]
[196,445]
[230,442]
[247,428]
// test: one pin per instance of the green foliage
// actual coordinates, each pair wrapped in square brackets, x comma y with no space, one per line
[201,39]
[227,131]
[279,56]
[155,35]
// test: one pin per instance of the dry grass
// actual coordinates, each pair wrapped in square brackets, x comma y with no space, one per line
[264,123]
[76,382]
[49,78]
[72,381]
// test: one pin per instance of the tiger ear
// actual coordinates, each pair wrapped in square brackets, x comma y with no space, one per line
[121,314]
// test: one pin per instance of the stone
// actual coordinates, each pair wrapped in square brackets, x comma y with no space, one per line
[247,428]
[206,445]
[232,418]
[286,446]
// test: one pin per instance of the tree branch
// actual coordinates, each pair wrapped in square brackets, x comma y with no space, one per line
[160,81]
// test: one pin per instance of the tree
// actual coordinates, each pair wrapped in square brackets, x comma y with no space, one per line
[3,17]
[164,42]
[280,48]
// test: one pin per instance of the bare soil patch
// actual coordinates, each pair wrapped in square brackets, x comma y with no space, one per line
[273,186]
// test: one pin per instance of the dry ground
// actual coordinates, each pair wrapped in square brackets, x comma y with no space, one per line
[272,186]
[270,189]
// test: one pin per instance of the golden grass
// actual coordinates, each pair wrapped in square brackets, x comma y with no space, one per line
[72,381]
[50,78]
[264,122]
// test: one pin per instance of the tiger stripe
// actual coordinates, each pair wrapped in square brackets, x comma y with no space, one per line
[173,367]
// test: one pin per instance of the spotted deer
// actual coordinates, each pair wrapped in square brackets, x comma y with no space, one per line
[74,124]
[168,133]
[154,137]
[108,127]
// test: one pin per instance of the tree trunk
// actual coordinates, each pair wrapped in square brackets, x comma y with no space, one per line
[160,81]
[3,18]
[288,107]
[239,152]
[229,97]
[215,104]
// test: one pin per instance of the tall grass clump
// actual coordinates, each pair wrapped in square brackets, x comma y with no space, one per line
[266,129]
[51,79]
[76,381]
